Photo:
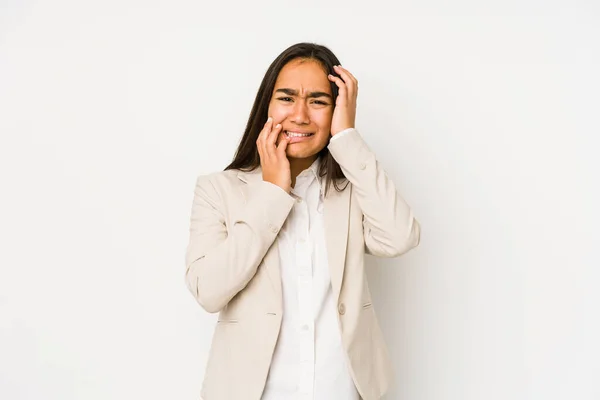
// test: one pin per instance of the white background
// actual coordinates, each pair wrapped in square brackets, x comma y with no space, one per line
[485,114]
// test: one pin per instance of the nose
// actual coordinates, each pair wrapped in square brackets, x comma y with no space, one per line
[300,113]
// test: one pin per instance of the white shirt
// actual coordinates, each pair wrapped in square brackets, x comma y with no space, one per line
[309,362]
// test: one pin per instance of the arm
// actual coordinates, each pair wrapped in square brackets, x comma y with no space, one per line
[221,260]
[390,228]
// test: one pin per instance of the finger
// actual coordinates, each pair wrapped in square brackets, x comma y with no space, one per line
[342,92]
[283,142]
[272,136]
[260,141]
[342,69]
[351,82]
[279,136]
[266,129]
[270,140]
[259,148]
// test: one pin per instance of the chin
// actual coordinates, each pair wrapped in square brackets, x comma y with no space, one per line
[297,153]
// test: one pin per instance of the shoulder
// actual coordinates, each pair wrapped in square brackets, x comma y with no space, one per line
[219,184]
[218,177]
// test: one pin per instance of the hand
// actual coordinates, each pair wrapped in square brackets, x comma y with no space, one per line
[344,114]
[273,160]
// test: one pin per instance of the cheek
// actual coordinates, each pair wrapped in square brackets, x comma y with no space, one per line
[277,112]
[323,120]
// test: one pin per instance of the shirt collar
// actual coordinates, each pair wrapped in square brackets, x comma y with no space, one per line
[313,170]
[306,177]
[256,174]
[314,167]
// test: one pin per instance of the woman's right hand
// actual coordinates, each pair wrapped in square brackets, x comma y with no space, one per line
[273,160]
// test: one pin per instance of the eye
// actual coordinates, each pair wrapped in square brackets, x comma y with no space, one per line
[287,99]
[320,102]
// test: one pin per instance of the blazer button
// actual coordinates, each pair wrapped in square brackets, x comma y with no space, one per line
[362,165]
[273,228]
[342,309]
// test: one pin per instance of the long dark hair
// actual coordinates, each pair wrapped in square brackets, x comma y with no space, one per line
[246,156]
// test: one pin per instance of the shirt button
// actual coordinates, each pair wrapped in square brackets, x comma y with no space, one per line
[304,327]
[302,240]
[342,309]
[299,200]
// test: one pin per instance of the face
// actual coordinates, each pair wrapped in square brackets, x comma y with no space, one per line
[302,103]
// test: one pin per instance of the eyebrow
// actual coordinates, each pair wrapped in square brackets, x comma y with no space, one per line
[292,92]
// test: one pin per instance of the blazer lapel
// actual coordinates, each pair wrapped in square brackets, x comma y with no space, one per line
[336,215]
[271,259]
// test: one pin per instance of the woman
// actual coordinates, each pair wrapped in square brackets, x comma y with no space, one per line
[280,254]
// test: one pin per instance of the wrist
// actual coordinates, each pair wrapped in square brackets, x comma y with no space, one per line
[340,134]
[285,188]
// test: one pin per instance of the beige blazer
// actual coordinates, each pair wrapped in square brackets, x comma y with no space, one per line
[232,267]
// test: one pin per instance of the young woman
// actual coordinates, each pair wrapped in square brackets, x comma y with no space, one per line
[277,243]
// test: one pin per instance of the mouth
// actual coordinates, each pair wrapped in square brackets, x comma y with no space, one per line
[299,135]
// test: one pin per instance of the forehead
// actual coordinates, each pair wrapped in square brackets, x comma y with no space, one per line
[303,75]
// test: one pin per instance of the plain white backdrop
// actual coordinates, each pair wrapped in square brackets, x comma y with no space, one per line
[485,114]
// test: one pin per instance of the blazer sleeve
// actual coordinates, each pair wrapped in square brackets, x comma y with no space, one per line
[220,259]
[390,228]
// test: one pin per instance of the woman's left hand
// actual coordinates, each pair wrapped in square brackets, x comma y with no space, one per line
[344,113]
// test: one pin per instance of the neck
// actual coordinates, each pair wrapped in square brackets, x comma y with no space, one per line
[298,165]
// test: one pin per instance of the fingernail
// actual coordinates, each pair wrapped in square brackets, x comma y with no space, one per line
[278,126]
[269,119]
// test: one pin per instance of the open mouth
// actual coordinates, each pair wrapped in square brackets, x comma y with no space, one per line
[291,134]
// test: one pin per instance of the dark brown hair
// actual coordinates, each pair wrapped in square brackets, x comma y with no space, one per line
[246,156]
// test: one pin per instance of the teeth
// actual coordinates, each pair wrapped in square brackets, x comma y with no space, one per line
[296,134]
